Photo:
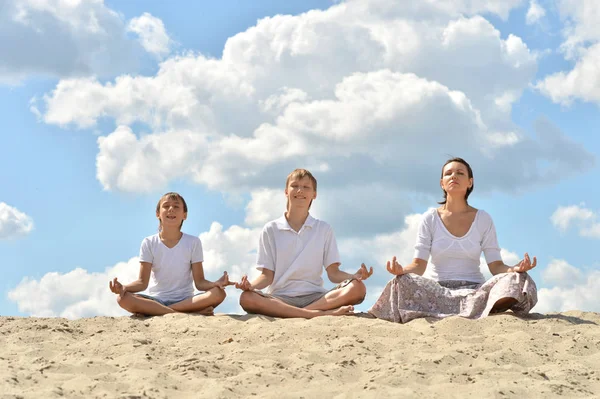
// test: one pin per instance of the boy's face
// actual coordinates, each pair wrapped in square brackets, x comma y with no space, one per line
[300,192]
[171,212]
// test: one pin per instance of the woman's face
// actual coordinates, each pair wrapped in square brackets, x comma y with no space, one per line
[455,179]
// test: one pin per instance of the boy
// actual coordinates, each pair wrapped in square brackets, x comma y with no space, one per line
[291,254]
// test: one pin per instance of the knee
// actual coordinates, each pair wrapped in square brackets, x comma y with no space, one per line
[358,291]
[218,294]
[248,301]
[124,301]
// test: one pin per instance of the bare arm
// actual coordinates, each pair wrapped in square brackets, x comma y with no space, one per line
[202,284]
[135,286]
[417,266]
[262,281]
[524,265]
[337,276]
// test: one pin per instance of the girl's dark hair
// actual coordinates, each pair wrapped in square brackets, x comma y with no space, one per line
[469,171]
[170,196]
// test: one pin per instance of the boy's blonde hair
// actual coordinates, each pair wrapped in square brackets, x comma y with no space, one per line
[298,174]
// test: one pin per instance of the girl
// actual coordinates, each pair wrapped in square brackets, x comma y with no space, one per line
[454,235]
[170,260]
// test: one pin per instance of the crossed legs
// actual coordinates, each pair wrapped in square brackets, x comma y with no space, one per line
[197,304]
[334,303]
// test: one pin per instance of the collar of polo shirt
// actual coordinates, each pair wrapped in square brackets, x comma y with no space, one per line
[282,223]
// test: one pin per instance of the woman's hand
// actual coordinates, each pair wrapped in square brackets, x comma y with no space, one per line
[524,265]
[394,267]
[363,273]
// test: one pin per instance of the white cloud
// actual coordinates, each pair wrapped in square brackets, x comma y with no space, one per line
[574,290]
[581,24]
[74,294]
[265,205]
[584,219]
[332,89]
[582,45]
[534,13]
[562,275]
[148,164]
[152,34]
[13,223]
[62,38]
[579,83]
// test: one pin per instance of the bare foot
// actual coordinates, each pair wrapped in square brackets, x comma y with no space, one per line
[341,311]
[209,311]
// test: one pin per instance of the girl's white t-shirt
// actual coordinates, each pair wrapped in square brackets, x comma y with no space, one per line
[456,258]
[171,278]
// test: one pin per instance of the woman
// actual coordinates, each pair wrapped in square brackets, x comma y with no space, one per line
[455,235]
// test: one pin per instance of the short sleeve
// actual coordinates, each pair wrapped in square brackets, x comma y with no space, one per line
[424,237]
[265,258]
[331,253]
[197,254]
[146,251]
[489,240]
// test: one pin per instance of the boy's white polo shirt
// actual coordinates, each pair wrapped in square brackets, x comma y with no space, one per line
[297,258]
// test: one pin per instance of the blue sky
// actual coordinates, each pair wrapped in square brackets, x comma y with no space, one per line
[108,105]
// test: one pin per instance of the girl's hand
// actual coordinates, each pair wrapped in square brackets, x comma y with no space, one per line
[363,273]
[524,265]
[223,281]
[394,267]
[244,284]
[116,287]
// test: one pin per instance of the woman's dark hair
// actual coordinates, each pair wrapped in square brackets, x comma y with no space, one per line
[469,171]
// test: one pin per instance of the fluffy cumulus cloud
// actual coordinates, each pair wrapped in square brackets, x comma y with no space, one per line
[13,223]
[335,91]
[585,220]
[152,34]
[570,288]
[581,45]
[71,38]
[74,294]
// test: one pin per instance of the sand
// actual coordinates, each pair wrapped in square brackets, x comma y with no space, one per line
[189,356]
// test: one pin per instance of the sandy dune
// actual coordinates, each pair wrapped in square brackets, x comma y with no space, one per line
[183,356]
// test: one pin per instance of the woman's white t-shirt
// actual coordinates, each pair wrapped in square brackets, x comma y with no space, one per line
[456,258]
[171,278]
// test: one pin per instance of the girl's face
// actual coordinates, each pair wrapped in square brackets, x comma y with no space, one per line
[171,213]
[300,192]
[455,179]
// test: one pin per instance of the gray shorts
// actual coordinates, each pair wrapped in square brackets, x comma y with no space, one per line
[166,303]
[302,301]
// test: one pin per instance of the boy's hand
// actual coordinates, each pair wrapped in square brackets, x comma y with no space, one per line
[244,284]
[116,287]
[363,273]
